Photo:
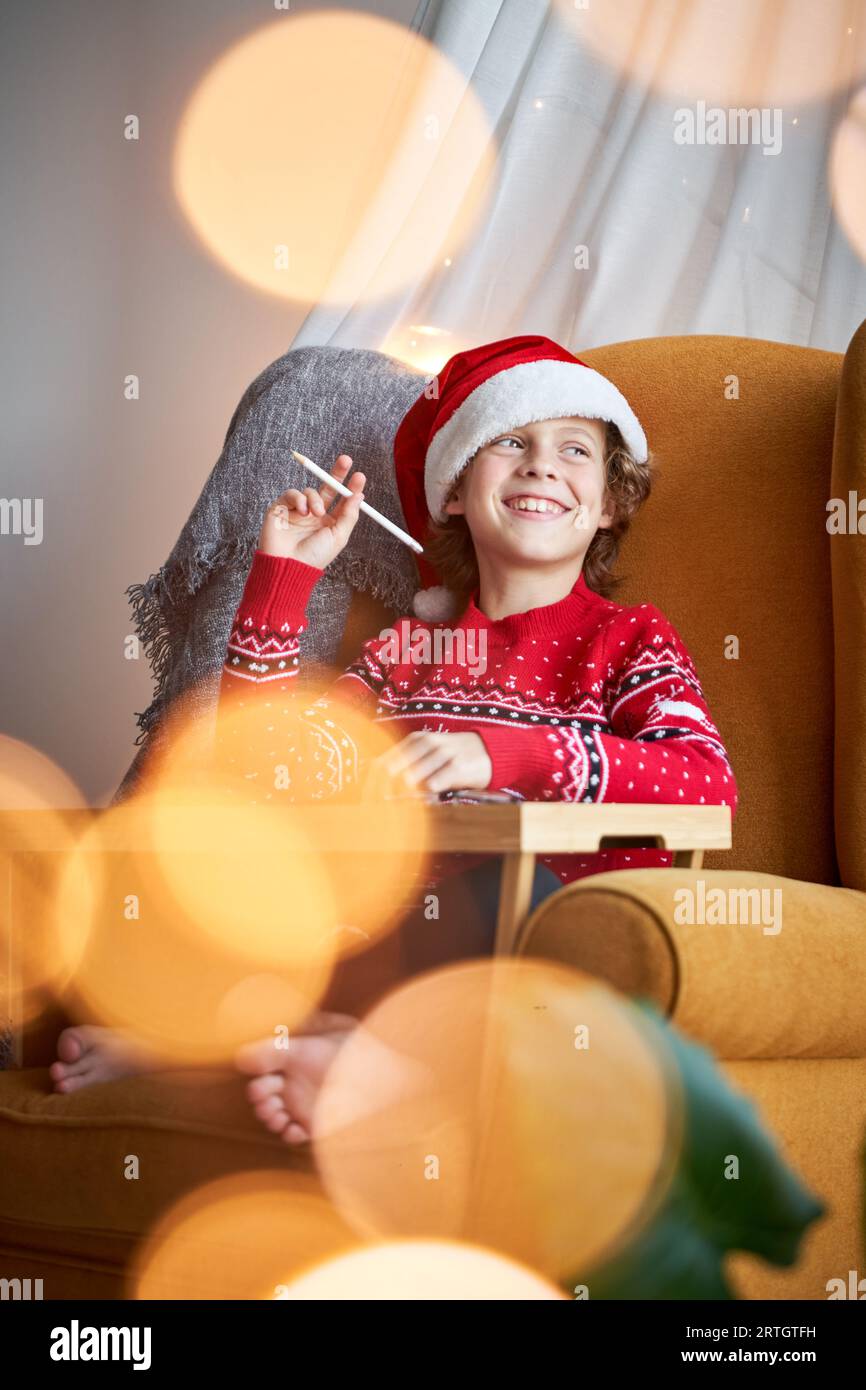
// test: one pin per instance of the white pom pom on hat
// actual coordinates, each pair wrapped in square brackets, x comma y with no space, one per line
[478,395]
[435,604]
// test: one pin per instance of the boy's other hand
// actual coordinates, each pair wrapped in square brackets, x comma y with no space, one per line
[299,526]
[430,762]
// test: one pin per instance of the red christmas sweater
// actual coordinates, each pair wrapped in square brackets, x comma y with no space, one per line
[579,700]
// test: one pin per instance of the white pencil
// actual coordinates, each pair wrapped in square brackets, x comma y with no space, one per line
[370,511]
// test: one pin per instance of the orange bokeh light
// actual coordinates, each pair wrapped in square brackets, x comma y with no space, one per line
[36,797]
[329,157]
[464,1108]
[422,1270]
[737,53]
[848,173]
[241,1237]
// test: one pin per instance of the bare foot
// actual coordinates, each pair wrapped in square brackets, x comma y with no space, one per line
[87,1054]
[287,1081]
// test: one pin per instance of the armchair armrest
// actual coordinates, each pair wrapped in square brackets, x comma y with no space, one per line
[750,964]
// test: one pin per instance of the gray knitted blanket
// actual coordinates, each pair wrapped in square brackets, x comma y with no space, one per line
[322,401]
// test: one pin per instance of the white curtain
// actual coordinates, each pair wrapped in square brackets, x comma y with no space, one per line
[680,239]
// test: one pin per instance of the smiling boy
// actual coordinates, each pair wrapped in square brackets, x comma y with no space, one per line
[520,469]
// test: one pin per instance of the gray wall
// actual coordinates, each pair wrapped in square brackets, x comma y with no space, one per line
[101,277]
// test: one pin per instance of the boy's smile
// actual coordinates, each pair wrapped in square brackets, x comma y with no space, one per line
[535,506]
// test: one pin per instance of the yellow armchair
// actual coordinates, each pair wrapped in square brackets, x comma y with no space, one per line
[762,448]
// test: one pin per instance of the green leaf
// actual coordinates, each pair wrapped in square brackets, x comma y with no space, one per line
[705,1214]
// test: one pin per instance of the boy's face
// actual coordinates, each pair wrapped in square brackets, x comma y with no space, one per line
[557,465]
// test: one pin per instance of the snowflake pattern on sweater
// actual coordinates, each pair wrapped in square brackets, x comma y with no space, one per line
[580,700]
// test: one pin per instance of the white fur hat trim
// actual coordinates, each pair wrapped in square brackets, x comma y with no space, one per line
[544,390]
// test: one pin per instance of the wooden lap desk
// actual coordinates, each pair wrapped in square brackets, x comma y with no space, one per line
[521,830]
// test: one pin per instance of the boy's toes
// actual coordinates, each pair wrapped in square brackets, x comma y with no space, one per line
[263,1087]
[73,1083]
[70,1045]
[275,1120]
[294,1133]
[258,1057]
[65,1071]
[272,1105]
[273,1115]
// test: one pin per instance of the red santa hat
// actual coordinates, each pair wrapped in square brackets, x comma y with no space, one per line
[478,395]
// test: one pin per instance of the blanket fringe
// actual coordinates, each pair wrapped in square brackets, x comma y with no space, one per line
[151,603]
[391,587]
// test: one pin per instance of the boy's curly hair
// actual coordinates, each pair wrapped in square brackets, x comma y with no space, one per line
[448,546]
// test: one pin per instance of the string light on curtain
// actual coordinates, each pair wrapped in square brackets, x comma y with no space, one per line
[423,346]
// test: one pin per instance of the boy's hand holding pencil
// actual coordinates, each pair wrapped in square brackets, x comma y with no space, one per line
[299,526]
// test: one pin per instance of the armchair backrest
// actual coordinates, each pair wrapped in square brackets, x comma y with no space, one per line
[733,546]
